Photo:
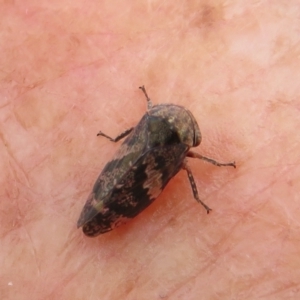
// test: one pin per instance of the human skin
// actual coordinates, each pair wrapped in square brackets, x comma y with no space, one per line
[70,69]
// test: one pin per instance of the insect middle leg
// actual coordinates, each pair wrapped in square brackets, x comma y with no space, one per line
[212,161]
[119,137]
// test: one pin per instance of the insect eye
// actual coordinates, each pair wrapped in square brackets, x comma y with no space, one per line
[195,138]
[174,138]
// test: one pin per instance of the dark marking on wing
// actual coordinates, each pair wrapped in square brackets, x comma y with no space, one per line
[139,187]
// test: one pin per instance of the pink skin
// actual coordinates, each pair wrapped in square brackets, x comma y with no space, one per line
[70,69]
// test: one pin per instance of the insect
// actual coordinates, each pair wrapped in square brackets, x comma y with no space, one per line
[155,150]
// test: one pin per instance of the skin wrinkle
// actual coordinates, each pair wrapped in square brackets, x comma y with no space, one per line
[96,285]
[218,245]
[4,105]
[287,287]
[188,279]
[34,250]
[19,170]
[17,220]
[155,236]
[56,291]
[260,150]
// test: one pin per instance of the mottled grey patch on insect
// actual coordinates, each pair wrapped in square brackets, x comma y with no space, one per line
[153,183]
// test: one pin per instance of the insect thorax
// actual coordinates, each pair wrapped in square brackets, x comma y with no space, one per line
[169,123]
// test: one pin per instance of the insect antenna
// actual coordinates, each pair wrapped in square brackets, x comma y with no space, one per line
[147,97]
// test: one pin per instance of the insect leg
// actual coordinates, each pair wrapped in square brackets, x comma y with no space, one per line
[119,137]
[212,161]
[193,185]
[147,97]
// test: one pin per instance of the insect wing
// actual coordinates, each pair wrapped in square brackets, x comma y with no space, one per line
[139,187]
[129,152]
[146,179]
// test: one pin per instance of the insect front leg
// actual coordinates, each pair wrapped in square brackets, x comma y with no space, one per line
[186,167]
[212,161]
[119,137]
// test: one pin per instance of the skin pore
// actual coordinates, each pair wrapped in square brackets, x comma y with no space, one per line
[70,69]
